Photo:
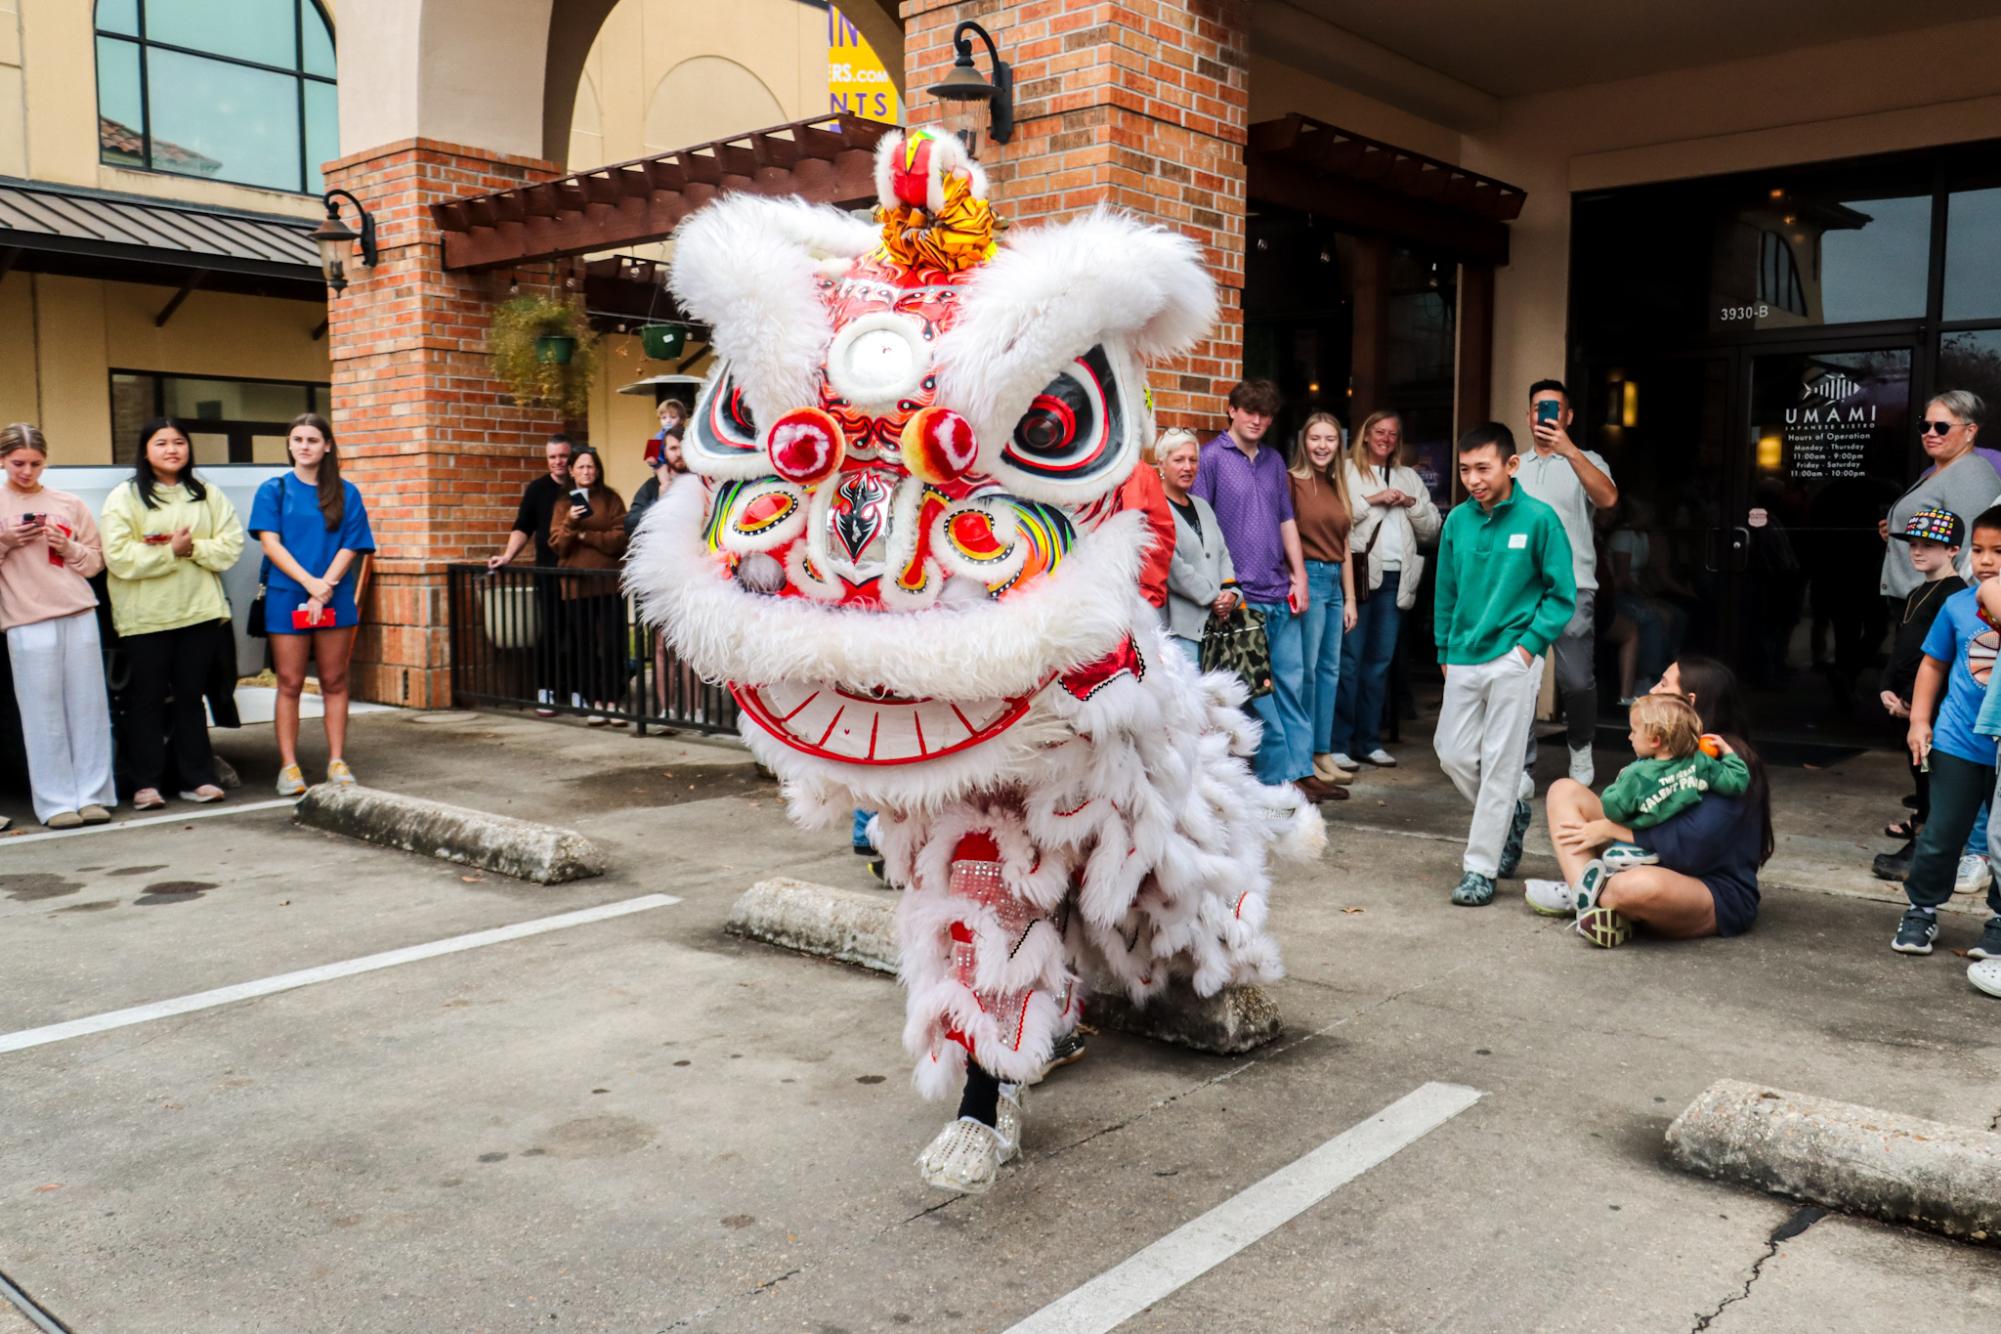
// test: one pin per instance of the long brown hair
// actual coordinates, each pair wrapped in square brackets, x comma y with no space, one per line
[1335,473]
[1358,449]
[332,495]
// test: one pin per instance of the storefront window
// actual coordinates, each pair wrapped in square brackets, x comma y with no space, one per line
[1971,359]
[1820,252]
[242,421]
[1972,239]
[233,90]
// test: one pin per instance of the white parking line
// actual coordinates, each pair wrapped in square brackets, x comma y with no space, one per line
[205,813]
[305,977]
[1196,1247]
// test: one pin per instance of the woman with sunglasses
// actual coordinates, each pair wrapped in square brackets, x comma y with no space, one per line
[1960,480]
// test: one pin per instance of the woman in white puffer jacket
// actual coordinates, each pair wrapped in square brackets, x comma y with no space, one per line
[1394,515]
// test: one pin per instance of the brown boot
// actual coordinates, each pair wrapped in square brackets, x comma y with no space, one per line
[1316,791]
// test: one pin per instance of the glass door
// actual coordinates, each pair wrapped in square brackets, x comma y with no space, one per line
[1830,445]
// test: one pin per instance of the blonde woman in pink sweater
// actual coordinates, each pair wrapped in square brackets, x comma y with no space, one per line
[49,549]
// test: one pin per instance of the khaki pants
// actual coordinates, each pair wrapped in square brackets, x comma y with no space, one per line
[1483,725]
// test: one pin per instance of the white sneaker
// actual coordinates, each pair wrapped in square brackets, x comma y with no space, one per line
[1381,758]
[1624,856]
[1986,975]
[1582,770]
[966,1156]
[1551,898]
[1974,873]
[1342,760]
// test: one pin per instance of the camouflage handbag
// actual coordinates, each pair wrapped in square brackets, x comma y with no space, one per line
[1236,643]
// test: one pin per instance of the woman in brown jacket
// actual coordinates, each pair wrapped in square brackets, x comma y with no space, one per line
[588,533]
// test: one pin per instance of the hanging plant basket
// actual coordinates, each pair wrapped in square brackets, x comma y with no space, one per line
[545,351]
[664,342]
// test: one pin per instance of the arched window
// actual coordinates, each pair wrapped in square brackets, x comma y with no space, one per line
[233,90]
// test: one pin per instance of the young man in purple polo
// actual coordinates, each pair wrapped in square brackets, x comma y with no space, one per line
[1244,480]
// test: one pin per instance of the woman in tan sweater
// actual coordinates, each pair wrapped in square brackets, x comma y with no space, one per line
[588,533]
[1320,504]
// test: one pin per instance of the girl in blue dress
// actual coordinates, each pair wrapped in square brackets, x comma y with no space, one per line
[314,530]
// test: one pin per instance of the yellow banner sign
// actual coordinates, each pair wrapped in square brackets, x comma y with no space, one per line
[857,82]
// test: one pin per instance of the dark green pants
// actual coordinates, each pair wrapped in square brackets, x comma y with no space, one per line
[1959,789]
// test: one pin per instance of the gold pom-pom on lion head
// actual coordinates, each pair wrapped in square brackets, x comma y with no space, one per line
[911,449]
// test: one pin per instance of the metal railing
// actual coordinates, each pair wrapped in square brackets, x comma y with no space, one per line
[570,640]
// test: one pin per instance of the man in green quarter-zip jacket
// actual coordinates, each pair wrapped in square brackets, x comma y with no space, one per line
[1506,589]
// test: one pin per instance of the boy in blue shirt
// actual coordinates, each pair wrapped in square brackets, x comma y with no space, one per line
[1945,738]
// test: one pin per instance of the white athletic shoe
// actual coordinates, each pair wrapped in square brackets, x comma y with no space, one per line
[1582,770]
[1381,758]
[1551,898]
[1343,760]
[966,1156]
[1624,856]
[1986,976]
[1974,873]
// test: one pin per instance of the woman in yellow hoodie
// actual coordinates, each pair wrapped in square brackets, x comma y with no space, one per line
[167,540]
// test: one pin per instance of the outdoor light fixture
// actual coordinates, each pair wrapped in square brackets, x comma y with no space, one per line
[336,240]
[966,94]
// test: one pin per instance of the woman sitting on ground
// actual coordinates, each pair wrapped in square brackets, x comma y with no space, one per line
[1699,871]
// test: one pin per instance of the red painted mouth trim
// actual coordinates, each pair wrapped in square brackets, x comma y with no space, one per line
[878,732]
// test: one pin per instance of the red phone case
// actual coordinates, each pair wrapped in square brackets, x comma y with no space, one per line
[301,620]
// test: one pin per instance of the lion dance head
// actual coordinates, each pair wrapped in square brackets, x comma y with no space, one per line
[907,528]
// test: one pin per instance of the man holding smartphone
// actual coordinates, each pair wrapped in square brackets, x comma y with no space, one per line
[1573,482]
[531,523]
[1245,482]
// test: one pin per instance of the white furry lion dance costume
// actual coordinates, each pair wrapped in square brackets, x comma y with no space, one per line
[907,560]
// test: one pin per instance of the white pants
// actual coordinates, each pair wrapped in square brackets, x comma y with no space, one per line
[65,714]
[1482,727]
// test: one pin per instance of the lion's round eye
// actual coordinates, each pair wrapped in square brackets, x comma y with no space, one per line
[1072,429]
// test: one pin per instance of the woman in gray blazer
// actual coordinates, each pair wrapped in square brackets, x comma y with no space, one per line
[1201,579]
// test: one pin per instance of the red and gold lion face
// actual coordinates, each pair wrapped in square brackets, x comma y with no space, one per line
[911,450]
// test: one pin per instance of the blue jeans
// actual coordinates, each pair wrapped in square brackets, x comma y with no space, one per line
[1286,752]
[1192,647]
[860,836]
[1976,842]
[1365,671]
[1320,647]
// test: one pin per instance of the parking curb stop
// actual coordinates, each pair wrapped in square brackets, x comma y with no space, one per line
[523,849]
[1860,1160]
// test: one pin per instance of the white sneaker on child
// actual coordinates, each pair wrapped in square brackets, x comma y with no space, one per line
[1974,875]
[1582,768]
[1551,898]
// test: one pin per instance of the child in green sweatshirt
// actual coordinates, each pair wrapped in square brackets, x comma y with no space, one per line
[1506,589]
[1673,771]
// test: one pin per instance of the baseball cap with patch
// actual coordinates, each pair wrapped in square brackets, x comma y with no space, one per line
[1934,525]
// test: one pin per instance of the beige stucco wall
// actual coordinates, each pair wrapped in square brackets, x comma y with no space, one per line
[82,327]
[666,74]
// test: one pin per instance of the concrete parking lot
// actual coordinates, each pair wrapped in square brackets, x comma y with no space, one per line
[636,1122]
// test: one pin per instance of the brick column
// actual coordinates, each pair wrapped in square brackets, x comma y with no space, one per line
[434,442]
[1143,104]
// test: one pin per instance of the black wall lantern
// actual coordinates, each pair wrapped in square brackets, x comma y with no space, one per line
[336,240]
[966,94]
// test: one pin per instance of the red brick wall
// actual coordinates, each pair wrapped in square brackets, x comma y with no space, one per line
[436,445]
[1141,103]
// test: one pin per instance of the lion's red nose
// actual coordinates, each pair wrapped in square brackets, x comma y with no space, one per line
[806,446]
[938,445]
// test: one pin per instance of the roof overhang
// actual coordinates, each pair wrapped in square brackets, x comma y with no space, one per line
[1369,186]
[825,160]
[65,229]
